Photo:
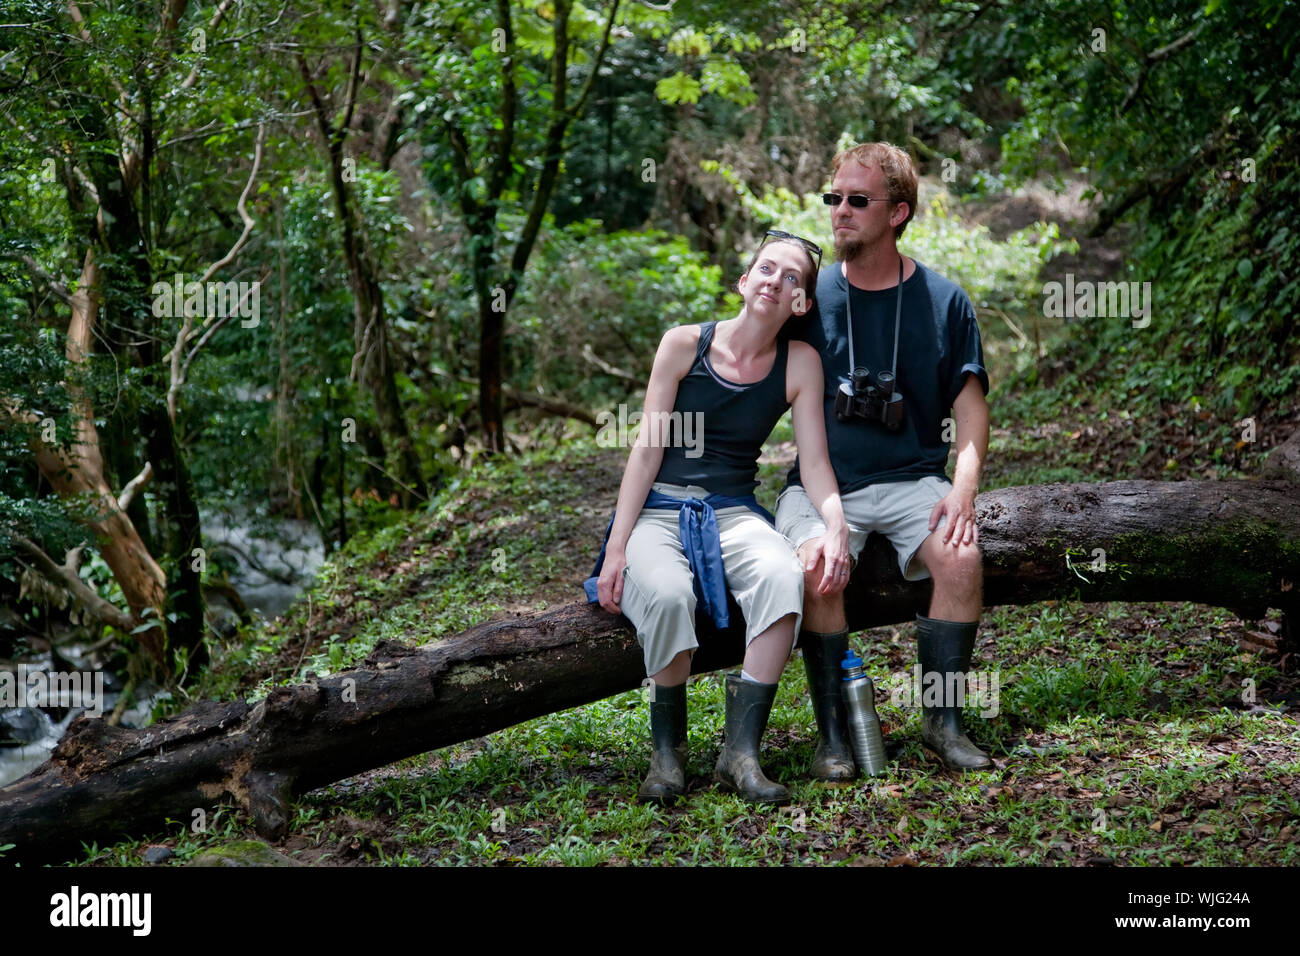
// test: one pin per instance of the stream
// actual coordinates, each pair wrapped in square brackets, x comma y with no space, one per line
[41,693]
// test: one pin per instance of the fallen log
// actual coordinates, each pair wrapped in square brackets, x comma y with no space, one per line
[1230,544]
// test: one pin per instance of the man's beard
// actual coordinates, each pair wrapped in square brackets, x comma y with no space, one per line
[848,248]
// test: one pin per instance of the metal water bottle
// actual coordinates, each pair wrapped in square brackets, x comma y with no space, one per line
[864,725]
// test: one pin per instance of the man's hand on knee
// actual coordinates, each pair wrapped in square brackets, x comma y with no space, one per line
[960,526]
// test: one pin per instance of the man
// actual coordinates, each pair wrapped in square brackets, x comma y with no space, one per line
[888,446]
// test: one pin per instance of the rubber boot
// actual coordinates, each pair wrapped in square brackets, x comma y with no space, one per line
[822,654]
[748,707]
[943,648]
[666,780]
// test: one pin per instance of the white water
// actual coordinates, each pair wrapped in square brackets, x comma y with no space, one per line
[293,563]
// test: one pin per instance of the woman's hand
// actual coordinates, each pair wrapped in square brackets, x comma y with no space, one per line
[832,551]
[804,384]
[609,586]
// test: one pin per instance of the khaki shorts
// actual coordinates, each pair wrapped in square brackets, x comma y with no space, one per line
[900,510]
[762,572]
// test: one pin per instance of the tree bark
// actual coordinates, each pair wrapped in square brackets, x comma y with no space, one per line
[77,468]
[481,216]
[1232,544]
[184,606]
[1283,462]
[372,364]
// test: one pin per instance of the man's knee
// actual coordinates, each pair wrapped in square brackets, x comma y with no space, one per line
[958,567]
[812,576]
[814,601]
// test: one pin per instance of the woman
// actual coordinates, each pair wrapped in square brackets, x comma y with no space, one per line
[736,379]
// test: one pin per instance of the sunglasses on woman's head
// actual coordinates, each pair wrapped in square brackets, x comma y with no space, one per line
[813,249]
[856,201]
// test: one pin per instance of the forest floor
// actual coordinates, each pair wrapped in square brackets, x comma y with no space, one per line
[1125,734]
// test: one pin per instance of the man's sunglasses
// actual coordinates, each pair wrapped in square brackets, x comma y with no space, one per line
[856,201]
[813,249]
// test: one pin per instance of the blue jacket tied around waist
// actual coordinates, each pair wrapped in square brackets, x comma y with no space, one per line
[697,523]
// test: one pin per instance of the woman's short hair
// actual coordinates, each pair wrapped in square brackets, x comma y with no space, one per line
[897,167]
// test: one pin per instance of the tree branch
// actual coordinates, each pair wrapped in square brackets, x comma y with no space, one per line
[1154,57]
[576,109]
[354,82]
[506,141]
[553,406]
[180,362]
[1150,186]
[212,25]
[55,286]
[590,356]
[64,575]
[469,206]
[134,485]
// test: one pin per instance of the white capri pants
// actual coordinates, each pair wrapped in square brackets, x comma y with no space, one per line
[762,571]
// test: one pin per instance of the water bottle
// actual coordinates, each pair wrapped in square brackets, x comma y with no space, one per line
[864,725]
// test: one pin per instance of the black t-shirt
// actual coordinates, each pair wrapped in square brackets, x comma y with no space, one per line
[939,345]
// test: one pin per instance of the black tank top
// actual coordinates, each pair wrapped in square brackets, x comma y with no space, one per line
[717,427]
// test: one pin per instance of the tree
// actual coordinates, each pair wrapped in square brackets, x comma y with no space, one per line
[97,107]
[372,362]
[499,140]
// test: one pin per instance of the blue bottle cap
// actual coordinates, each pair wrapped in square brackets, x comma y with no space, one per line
[851,660]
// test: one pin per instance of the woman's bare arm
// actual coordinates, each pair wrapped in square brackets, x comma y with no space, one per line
[673,360]
[805,385]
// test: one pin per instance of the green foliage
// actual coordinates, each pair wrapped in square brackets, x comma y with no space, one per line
[1000,275]
[1188,113]
[996,274]
[864,75]
[615,294]
[1052,692]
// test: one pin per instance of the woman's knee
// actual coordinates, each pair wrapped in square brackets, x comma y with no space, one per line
[657,595]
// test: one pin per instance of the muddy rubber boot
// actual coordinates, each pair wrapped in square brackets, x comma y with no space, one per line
[748,707]
[822,654]
[943,648]
[666,780]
